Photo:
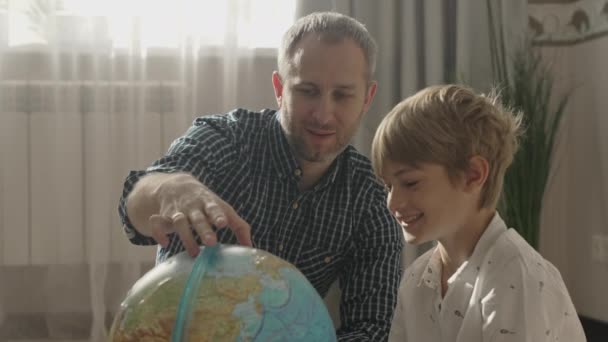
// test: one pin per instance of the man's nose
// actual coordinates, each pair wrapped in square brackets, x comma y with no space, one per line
[324,109]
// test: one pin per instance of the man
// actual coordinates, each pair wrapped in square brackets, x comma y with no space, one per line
[286,181]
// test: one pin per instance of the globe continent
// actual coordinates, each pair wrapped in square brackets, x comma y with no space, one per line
[245,294]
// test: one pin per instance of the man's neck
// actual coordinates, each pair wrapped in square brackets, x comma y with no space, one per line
[312,173]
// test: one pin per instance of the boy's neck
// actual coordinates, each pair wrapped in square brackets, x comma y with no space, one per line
[458,247]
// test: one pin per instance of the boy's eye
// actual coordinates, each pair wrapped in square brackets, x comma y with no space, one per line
[409,184]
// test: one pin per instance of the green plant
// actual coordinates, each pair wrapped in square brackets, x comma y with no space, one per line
[525,82]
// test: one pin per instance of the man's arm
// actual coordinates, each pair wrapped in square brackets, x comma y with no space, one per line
[172,194]
[371,280]
[162,203]
[143,200]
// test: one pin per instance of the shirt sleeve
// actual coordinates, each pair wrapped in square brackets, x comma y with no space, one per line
[529,303]
[371,279]
[204,151]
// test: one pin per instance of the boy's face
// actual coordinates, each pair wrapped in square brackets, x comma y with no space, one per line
[426,203]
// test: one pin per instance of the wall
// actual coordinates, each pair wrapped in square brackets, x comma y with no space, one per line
[573,39]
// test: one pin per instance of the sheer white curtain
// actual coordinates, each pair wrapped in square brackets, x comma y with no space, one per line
[88,91]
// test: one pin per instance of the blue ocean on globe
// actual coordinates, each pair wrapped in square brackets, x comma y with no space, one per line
[243,294]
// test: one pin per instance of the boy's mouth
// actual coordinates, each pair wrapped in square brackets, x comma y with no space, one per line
[410,219]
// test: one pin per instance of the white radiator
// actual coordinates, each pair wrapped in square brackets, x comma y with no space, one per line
[65,151]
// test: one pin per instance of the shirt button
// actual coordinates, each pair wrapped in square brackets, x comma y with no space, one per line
[297,172]
[327,260]
[295,205]
[281,247]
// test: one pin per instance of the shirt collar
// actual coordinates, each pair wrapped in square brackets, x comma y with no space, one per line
[286,164]
[496,227]
[431,276]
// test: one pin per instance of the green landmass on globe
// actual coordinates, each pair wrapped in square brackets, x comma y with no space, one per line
[246,295]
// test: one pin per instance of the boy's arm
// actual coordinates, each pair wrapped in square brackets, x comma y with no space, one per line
[371,279]
[529,303]
[397,333]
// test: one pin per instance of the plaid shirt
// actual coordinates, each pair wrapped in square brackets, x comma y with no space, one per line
[340,229]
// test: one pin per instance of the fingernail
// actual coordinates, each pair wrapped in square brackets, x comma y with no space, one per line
[220,220]
[209,239]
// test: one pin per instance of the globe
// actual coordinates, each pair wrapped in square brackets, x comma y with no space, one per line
[227,293]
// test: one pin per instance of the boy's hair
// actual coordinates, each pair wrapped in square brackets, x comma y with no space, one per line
[331,27]
[448,125]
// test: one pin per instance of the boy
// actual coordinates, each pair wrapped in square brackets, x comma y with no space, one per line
[442,155]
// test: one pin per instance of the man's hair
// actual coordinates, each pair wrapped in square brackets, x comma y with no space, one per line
[331,27]
[448,125]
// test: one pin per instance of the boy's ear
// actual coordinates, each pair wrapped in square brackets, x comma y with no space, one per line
[477,173]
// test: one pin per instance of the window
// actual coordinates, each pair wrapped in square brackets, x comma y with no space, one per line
[143,24]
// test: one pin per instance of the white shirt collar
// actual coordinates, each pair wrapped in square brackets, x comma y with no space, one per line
[431,276]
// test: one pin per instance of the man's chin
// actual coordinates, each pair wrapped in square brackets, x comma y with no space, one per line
[319,157]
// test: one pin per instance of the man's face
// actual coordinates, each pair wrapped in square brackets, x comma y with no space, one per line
[323,98]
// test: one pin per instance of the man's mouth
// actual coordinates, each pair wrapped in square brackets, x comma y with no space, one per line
[321,132]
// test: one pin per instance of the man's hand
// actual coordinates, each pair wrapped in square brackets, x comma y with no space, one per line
[166,203]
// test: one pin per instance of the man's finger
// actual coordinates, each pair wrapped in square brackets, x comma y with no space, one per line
[221,214]
[240,228]
[202,227]
[182,226]
[159,228]
[214,209]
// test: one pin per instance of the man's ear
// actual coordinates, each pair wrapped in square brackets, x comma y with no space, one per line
[277,84]
[477,173]
[369,95]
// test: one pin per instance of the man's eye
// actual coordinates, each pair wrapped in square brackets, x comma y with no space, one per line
[306,91]
[342,96]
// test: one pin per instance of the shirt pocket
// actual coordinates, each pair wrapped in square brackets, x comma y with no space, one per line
[320,263]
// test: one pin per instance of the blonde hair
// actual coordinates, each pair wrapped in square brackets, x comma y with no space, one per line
[448,125]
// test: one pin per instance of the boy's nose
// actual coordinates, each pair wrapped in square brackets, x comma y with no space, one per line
[392,202]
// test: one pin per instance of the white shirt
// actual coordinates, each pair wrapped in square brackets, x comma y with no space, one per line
[506,291]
